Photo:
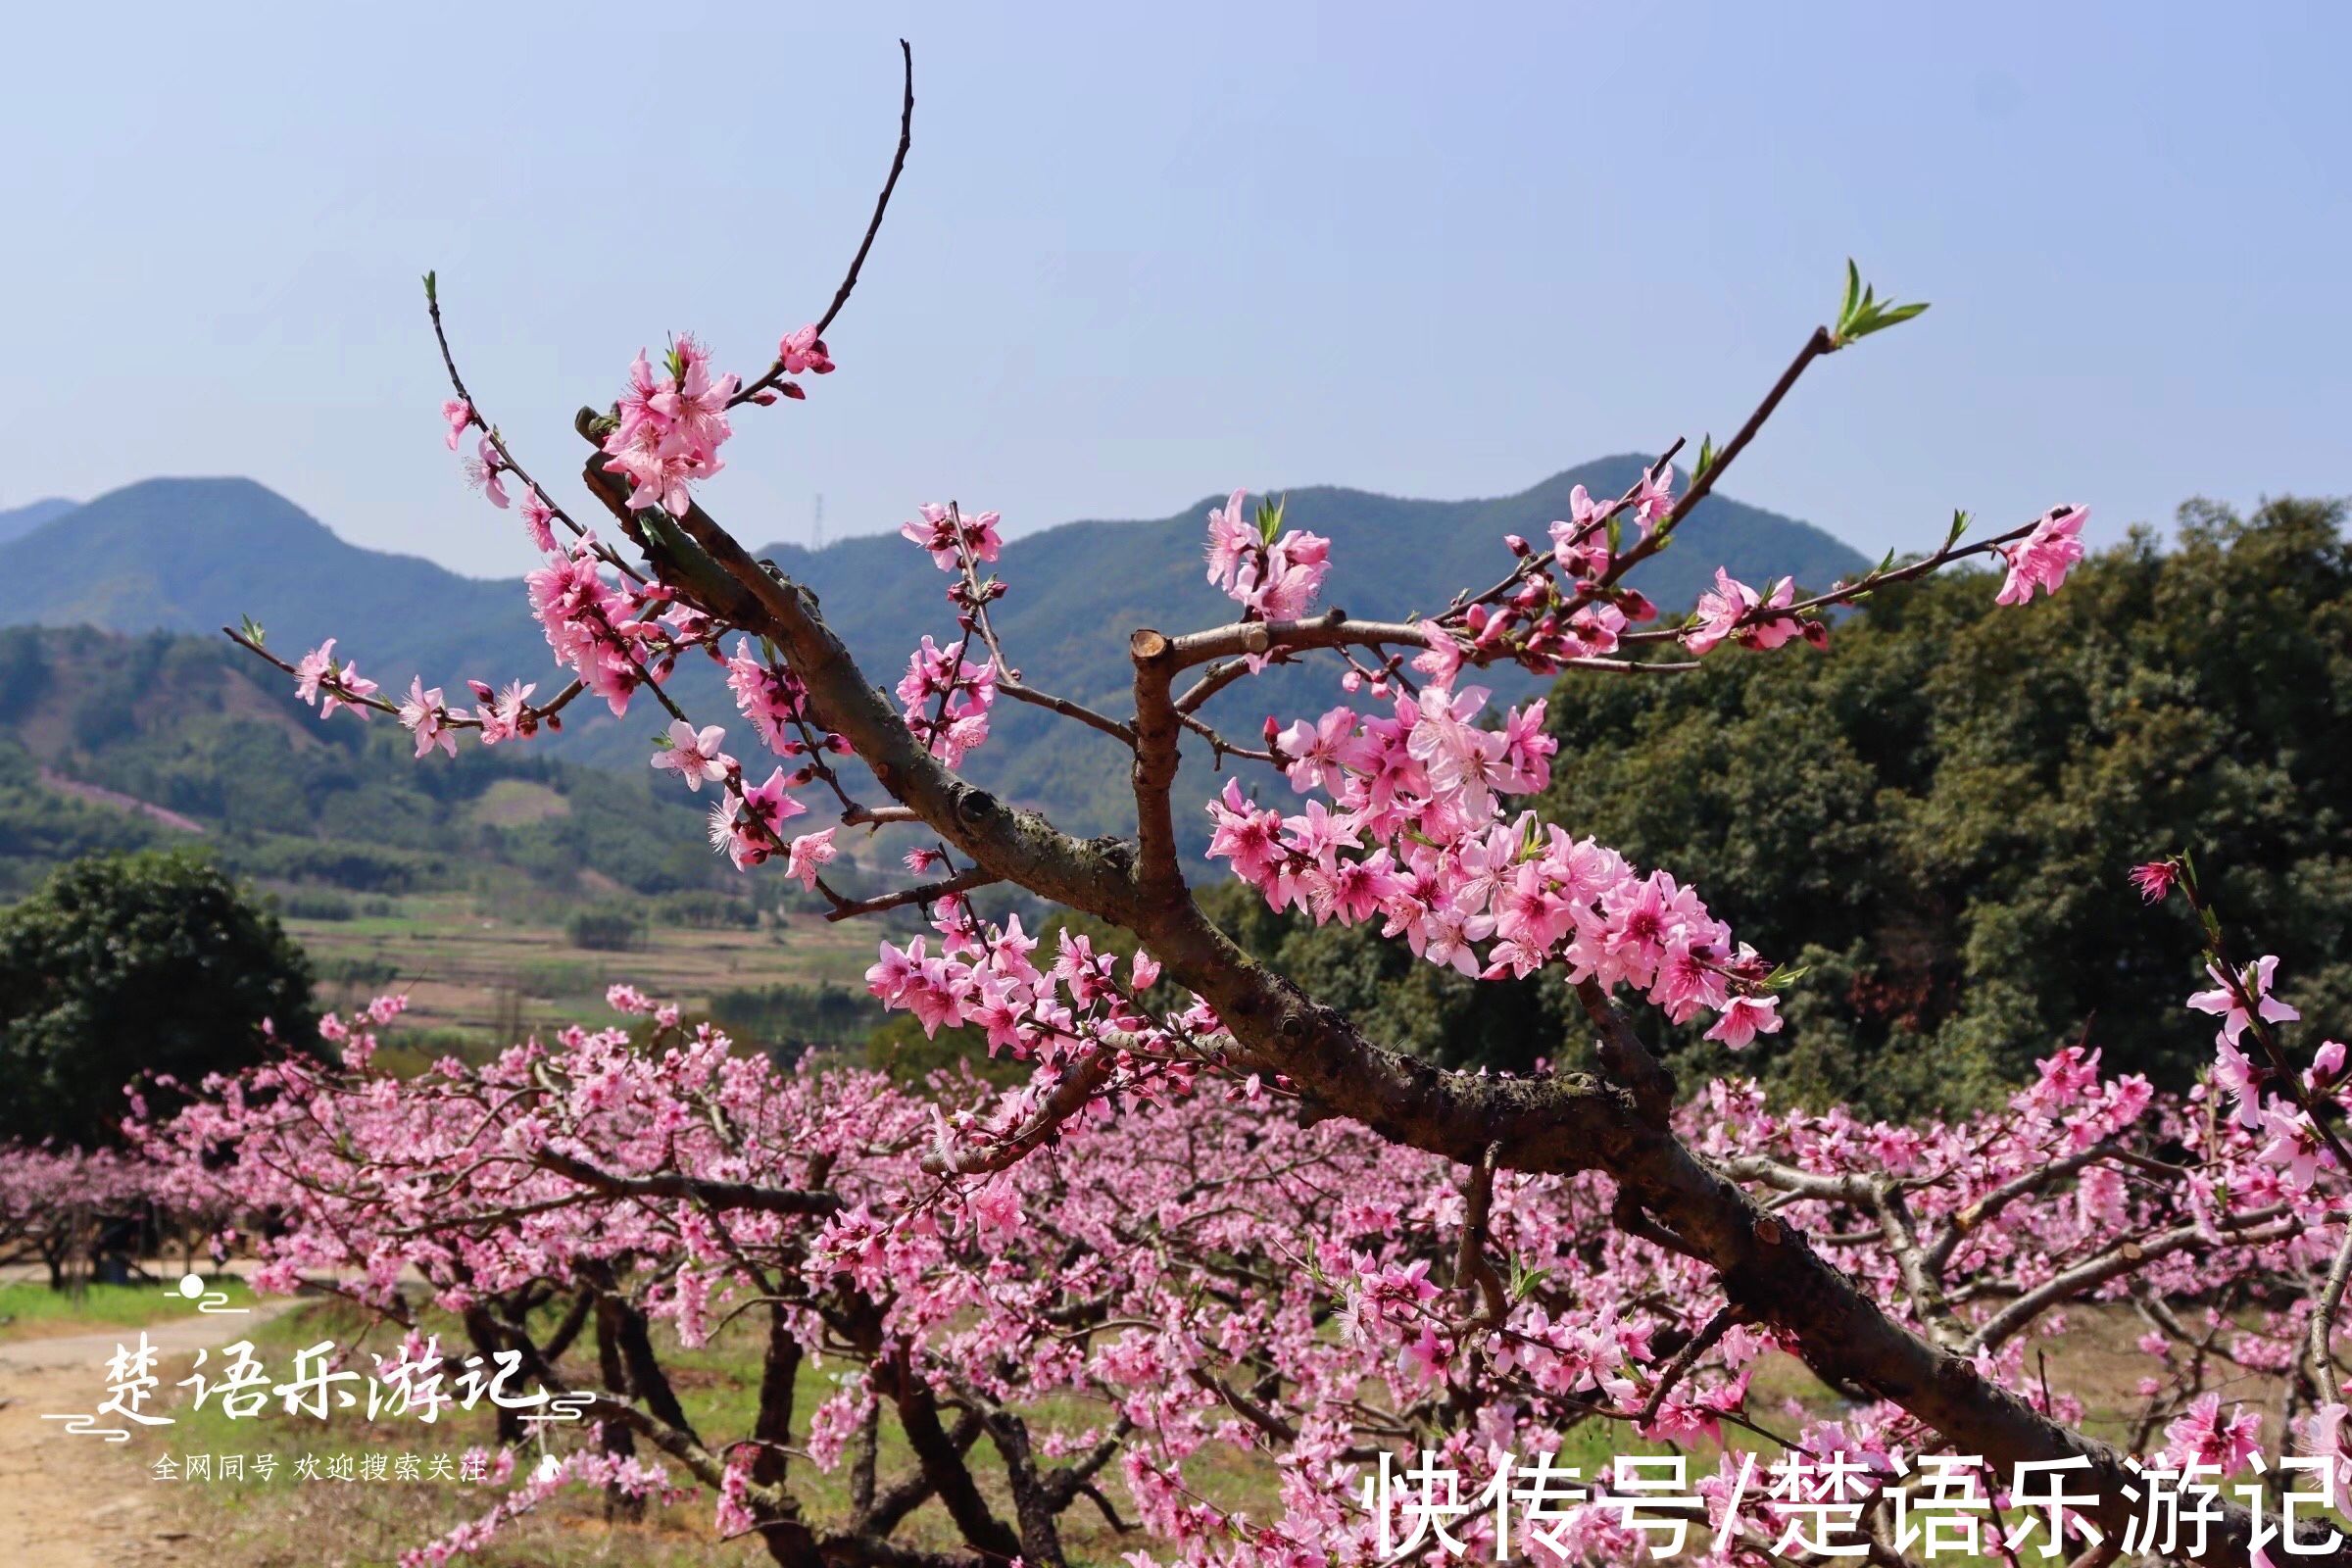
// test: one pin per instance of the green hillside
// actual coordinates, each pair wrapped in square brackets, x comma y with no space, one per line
[110,742]
[191,555]
[501,892]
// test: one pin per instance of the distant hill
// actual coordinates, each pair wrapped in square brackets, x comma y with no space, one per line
[193,555]
[190,555]
[113,743]
[17,522]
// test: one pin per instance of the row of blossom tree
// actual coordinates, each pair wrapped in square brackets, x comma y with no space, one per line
[58,1203]
[1194,1265]
[1218,1212]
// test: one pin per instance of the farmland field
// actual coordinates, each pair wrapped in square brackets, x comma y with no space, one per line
[483,977]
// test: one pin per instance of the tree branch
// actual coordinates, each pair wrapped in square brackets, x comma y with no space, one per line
[848,283]
[677,1185]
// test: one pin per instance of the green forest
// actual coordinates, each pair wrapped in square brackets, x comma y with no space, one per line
[1934,817]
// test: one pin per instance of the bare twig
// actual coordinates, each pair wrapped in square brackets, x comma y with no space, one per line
[848,909]
[873,226]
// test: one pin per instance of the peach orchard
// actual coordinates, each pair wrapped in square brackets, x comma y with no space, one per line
[1218,1214]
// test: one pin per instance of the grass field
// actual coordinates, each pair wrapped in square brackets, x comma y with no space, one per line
[490,977]
[30,1309]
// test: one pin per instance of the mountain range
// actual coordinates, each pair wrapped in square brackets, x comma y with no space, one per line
[17,522]
[191,555]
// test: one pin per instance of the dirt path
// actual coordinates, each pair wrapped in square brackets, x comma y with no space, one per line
[79,1501]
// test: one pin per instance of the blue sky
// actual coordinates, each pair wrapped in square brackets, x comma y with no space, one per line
[1146,253]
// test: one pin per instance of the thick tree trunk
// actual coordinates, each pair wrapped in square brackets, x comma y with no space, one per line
[615,1437]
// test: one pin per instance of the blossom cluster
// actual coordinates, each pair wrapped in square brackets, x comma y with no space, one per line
[329,683]
[1272,573]
[1103,1271]
[612,638]
[1086,1020]
[2043,558]
[1563,603]
[2288,1125]
[671,426]
[1415,835]
[1733,609]
[946,696]
[1945,1508]
[616,637]
[950,538]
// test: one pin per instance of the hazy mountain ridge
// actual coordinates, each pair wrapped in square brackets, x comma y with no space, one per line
[17,522]
[192,555]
